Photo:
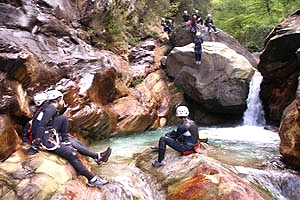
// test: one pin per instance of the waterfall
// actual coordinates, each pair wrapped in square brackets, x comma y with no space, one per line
[254,115]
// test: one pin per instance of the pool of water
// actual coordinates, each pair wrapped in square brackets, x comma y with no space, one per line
[243,145]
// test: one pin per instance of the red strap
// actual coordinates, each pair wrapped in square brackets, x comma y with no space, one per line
[196,147]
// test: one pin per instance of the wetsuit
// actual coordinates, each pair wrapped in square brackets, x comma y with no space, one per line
[183,139]
[45,120]
[210,24]
[198,48]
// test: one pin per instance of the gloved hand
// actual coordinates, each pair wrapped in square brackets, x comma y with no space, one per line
[32,150]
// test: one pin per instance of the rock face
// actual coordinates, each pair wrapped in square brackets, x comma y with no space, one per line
[196,177]
[289,133]
[280,94]
[279,67]
[219,84]
[184,177]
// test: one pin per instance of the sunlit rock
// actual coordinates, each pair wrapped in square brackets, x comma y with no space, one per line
[196,177]
[289,132]
[8,137]
[132,115]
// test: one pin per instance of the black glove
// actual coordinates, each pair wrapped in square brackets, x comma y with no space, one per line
[32,150]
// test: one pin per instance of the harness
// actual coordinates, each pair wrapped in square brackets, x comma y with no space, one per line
[53,138]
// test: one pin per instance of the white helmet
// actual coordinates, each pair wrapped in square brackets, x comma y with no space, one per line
[185,12]
[39,98]
[182,111]
[54,94]
[198,33]
[208,15]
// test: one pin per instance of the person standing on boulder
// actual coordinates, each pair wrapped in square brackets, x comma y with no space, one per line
[50,132]
[198,47]
[185,138]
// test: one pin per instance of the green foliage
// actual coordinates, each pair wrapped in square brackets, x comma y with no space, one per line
[136,80]
[251,21]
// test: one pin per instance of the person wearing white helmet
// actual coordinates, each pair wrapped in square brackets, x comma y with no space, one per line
[186,17]
[184,139]
[199,19]
[39,99]
[170,27]
[198,47]
[209,23]
[50,132]
[164,24]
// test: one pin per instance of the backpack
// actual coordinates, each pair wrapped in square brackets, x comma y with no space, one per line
[27,135]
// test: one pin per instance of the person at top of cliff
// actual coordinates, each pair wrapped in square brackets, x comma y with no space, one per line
[198,47]
[170,26]
[185,138]
[209,23]
[164,24]
[199,19]
[186,17]
[50,133]
[193,25]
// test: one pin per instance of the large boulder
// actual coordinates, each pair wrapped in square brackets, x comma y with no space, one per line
[279,67]
[196,177]
[289,133]
[219,84]
[182,36]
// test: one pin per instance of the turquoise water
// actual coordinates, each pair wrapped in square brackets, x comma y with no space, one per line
[244,145]
[251,151]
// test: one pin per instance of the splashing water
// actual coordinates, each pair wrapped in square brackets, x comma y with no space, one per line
[254,115]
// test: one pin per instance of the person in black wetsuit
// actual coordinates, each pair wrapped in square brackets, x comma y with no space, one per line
[198,47]
[185,138]
[50,132]
[186,17]
[209,23]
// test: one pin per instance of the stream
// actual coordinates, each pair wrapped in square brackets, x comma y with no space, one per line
[251,151]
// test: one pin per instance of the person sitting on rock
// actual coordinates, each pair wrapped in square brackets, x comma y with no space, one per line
[186,17]
[209,23]
[170,27]
[164,25]
[50,132]
[193,25]
[185,138]
[199,19]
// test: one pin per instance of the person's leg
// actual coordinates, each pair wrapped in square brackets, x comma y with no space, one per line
[84,150]
[199,57]
[68,153]
[163,141]
[214,27]
[196,55]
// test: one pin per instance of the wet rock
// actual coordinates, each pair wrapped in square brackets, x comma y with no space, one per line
[196,177]
[219,84]
[280,67]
